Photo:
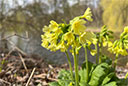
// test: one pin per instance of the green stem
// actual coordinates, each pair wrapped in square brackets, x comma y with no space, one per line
[96,53]
[70,65]
[86,58]
[76,69]
[126,75]
[115,62]
[100,53]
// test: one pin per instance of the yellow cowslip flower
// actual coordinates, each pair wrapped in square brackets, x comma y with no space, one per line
[87,15]
[94,41]
[45,43]
[88,42]
[124,53]
[69,37]
[93,52]
[53,25]
[78,26]
[110,49]
[110,43]
[62,46]
[52,47]
[116,49]
[105,43]
[76,50]
[76,45]
[46,29]
[126,29]
[53,40]
[58,31]
[86,36]
[70,84]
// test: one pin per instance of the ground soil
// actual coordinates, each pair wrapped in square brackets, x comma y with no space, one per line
[19,70]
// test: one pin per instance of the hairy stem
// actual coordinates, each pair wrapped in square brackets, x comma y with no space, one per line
[70,65]
[96,47]
[100,53]
[76,69]
[115,62]
[126,75]
[86,58]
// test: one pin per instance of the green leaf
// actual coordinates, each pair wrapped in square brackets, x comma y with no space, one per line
[111,84]
[83,84]
[83,77]
[108,78]
[99,74]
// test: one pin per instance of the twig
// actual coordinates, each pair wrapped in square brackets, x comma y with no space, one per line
[23,62]
[17,48]
[14,35]
[30,76]
[9,53]
[52,79]
[1,80]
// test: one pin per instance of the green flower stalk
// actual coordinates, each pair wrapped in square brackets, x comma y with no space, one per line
[100,53]
[76,69]
[70,65]
[116,59]
[87,67]
[103,40]
[96,47]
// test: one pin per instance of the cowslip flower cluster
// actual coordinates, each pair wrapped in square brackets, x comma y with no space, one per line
[120,46]
[104,37]
[62,36]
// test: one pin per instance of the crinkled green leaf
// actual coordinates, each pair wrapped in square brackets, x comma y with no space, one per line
[83,84]
[108,78]
[99,74]
[111,84]
[83,77]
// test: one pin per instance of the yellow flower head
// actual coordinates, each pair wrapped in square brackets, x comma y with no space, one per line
[94,41]
[110,43]
[78,26]
[93,52]
[45,43]
[46,29]
[62,46]
[126,29]
[53,25]
[58,31]
[69,37]
[86,37]
[52,47]
[87,15]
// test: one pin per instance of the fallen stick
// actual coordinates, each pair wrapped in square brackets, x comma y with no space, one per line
[25,67]
[1,80]
[30,76]
[9,53]
[18,49]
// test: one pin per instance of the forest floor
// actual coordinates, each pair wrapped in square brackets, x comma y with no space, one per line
[19,70]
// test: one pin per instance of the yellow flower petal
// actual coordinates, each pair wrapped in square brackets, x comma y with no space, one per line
[69,37]
[93,52]
[126,29]
[87,15]
[78,26]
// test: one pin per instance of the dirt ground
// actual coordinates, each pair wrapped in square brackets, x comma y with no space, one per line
[19,70]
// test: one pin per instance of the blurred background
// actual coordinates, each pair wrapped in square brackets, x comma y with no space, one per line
[21,22]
